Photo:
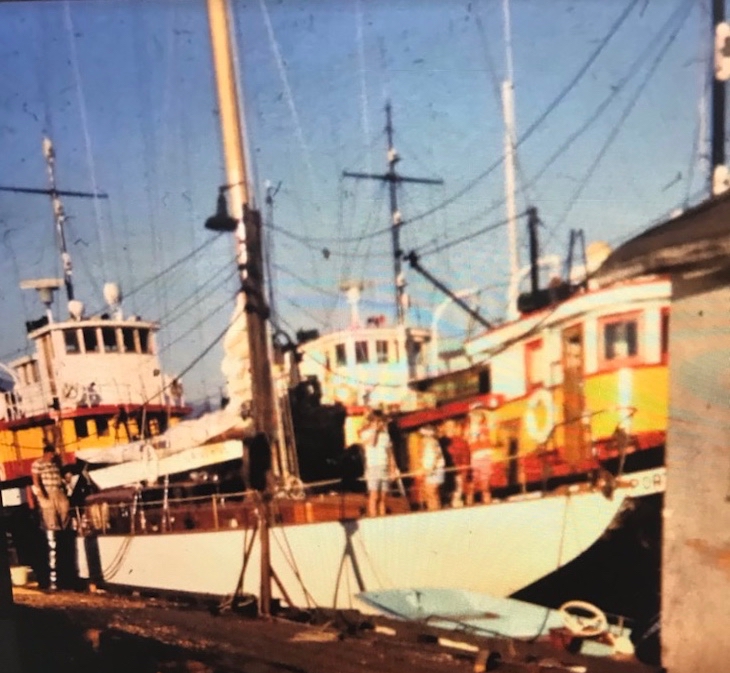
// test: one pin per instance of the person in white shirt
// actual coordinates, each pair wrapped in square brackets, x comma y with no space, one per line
[378,463]
[433,465]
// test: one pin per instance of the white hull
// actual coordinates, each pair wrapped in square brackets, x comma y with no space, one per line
[495,549]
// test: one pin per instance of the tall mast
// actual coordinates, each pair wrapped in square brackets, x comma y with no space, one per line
[393,178]
[247,220]
[59,215]
[251,311]
[395,219]
[508,110]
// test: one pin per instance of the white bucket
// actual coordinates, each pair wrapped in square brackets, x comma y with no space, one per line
[19,575]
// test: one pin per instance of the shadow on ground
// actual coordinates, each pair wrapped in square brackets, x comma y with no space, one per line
[50,641]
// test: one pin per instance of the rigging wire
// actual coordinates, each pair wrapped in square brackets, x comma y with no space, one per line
[687,6]
[81,100]
[538,122]
[699,145]
[288,94]
[174,314]
[214,311]
[468,237]
[174,265]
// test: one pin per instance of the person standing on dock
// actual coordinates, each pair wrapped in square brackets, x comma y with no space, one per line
[49,489]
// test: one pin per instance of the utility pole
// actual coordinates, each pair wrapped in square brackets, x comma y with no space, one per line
[393,178]
[721,30]
[59,214]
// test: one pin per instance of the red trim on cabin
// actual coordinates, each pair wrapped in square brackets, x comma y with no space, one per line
[37,420]
[48,418]
[448,410]
[113,409]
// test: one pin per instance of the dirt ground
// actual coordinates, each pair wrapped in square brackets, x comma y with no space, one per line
[95,633]
[98,632]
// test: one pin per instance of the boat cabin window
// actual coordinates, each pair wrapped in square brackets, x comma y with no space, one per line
[71,339]
[417,352]
[109,337]
[22,374]
[128,340]
[102,427]
[361,352]
[665,334]
[620,339]
[381,351]
[534,364]
[340,354]
[485,381]
[91,341]
[144,341]
[81,427]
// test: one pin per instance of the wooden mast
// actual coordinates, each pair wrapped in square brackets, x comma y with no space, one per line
[249,257]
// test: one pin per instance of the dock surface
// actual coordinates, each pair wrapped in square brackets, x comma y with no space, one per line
[95,632]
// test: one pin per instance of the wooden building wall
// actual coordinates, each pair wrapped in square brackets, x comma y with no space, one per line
[696,550]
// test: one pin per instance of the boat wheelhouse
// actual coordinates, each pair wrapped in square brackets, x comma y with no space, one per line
[89,382]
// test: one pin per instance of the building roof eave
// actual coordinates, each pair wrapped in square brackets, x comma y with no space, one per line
[698,238]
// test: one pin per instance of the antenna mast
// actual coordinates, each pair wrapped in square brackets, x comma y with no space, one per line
[393,178]
[59,214]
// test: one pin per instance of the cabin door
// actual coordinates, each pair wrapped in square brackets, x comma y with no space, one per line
[576,444]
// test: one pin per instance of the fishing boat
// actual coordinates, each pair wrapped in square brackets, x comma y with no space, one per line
[89,380]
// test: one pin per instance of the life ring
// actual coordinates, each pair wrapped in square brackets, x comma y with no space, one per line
[583,619]
[541,432]
[70,391]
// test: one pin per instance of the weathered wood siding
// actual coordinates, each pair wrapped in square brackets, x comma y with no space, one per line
[696,552]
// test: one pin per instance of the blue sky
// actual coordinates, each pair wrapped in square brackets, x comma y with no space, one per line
[126,91]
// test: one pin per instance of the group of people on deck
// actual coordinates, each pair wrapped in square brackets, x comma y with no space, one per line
[448,464]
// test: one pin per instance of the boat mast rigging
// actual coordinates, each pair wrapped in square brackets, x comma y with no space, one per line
[251,299]
[393,178]
[59,215]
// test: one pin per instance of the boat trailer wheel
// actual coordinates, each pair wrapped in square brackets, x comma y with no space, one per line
[583,619]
